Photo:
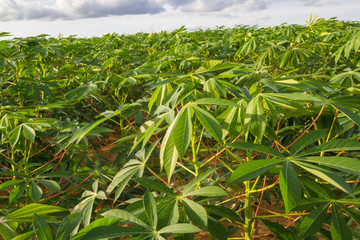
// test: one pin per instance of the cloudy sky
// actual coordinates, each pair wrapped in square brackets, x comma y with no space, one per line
[87,18]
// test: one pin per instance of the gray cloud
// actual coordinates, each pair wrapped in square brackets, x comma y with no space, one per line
[10,10]
[75,9]
[316,3]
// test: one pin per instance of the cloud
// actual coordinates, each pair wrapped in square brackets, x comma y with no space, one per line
[316,2]
[102,8]
[10,10]
[74,9]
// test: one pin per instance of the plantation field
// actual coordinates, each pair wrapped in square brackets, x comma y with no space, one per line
[241,133]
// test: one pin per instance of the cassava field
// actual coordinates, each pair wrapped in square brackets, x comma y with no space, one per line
[240,133]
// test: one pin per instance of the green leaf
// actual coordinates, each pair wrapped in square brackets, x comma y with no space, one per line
[180,228]
[190,186]
[15,136]
[306,140]
[329,176]
[353,214]
[85,207]
[26,213]
[216,101]
[290,186]
[83,131]
[168,152]
[105,232]
[209,122]
[17,192]
[9,184]
[183,131]
[6,232]
[208,191]
[35,191]
[312,223]
[279,230]
[28,132]
[122,214]
[68,225]
[41,228]
[97,223]
[50,184]
[252,169]
[339,229]
[223,212]
[25,236]
[154,185]
[195,212]
[150,208]
[257,148]
[216,229]
[208,66]
[303,97]
[352,115]
[345,164]
[333,146]
[122,178]
[174,217]
[255,118]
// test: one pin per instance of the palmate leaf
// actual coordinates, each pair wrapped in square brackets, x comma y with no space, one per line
[252,169]
[306,140]
[26,213]
[290,186]
[124,215]
[255,118]
[154,185]
[190,186]
[280,231]
[223,212]
[336,145]
[353,116]
[312,223]
[83,131]
[216,229]
[102,222]
[150,208]
[345,164]
[329,176]
[216,101]
[122,178]
[180,228]
[209,122]
[209,66]
[35,191]
[68,225]
[195,212]
[183,130]
[257,148]
[168,151]
[41,228]
[339,229]
[208,191]
[105,232]
[28,132]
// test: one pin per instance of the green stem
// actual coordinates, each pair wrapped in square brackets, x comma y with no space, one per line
[247,206]
[194,155]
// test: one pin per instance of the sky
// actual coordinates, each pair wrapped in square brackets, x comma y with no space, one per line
[89,18]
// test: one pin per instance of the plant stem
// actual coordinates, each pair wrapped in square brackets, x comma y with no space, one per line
[247,208]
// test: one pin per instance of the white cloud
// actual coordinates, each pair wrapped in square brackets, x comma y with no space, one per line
[78,9]
[10,10]
[73,9]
